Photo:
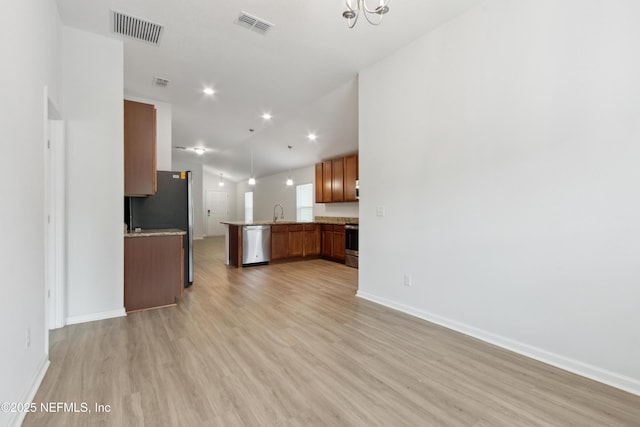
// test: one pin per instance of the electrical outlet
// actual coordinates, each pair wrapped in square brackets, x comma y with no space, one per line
[28,336]
[407,280]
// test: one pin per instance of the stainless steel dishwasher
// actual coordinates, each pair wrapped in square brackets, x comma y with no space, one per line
[256,244]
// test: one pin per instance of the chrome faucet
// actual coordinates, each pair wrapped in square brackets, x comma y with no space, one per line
[275,215]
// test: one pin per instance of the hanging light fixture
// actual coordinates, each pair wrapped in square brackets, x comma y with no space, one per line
[289,180]
[374,16]
[221,182]
[252,180]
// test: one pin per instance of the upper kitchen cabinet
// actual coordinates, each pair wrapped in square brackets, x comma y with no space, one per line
[350,177]
[319,184]
[139,149]
[327,179]
[336,180]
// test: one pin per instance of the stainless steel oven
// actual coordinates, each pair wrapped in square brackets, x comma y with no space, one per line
[351,245]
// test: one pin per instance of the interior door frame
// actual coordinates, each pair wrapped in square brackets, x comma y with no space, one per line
[55,218]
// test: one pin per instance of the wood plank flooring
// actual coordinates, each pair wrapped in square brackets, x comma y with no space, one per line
[290,345]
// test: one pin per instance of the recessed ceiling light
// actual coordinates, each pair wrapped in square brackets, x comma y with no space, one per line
[208,91]
[312,137]
[266,116]
[199,150]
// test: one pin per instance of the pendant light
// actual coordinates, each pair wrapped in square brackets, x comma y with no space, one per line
[289,180]
[252,180]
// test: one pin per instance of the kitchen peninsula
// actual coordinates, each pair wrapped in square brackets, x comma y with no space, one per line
[291,240]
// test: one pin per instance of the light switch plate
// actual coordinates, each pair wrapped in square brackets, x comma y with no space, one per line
[380,211]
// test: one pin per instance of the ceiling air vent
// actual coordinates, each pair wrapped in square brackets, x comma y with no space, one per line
[136,28]
[159,81]
[253,23]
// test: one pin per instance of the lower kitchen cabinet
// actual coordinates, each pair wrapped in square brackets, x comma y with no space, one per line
[296,241]
[327,240]
[338,242]
[153,271]
[279,242]
[312,239]
[333,242]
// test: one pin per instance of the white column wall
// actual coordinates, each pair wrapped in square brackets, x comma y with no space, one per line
[30,62]
[92,86]
[511,186]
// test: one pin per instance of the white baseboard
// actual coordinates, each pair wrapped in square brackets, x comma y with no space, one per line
[83,318]
[595,373]
[18,417]
[199,238]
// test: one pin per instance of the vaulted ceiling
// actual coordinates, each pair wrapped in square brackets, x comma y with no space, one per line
[303,71]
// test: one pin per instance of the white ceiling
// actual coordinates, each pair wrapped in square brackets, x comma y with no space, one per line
[304,71]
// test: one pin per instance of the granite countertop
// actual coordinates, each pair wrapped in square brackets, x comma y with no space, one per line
[340,220]
[156,232]
[279,222]
[317,220]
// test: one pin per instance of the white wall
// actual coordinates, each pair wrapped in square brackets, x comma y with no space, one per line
[514,132]
[92,86]
[270,190]
[163,131]
[30,54]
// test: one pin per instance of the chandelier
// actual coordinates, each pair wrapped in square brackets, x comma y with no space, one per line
[354,7]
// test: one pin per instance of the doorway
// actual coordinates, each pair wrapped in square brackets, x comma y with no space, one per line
[55,217]
[217,210]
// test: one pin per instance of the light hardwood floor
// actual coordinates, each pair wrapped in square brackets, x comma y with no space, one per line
[290,344]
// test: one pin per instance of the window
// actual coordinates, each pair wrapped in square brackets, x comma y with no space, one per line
[304,202]
[248,206]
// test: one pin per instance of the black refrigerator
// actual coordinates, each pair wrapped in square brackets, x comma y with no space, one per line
[170,207]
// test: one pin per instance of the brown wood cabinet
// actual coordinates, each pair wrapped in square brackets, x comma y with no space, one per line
[327,181]
[350,177]
[235,245]
[312,239]
[139,149]
[333,242]
[296,241]
[279,242]
[153,271]
[336,180]
[319,184]
[327,240]
[339,242]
